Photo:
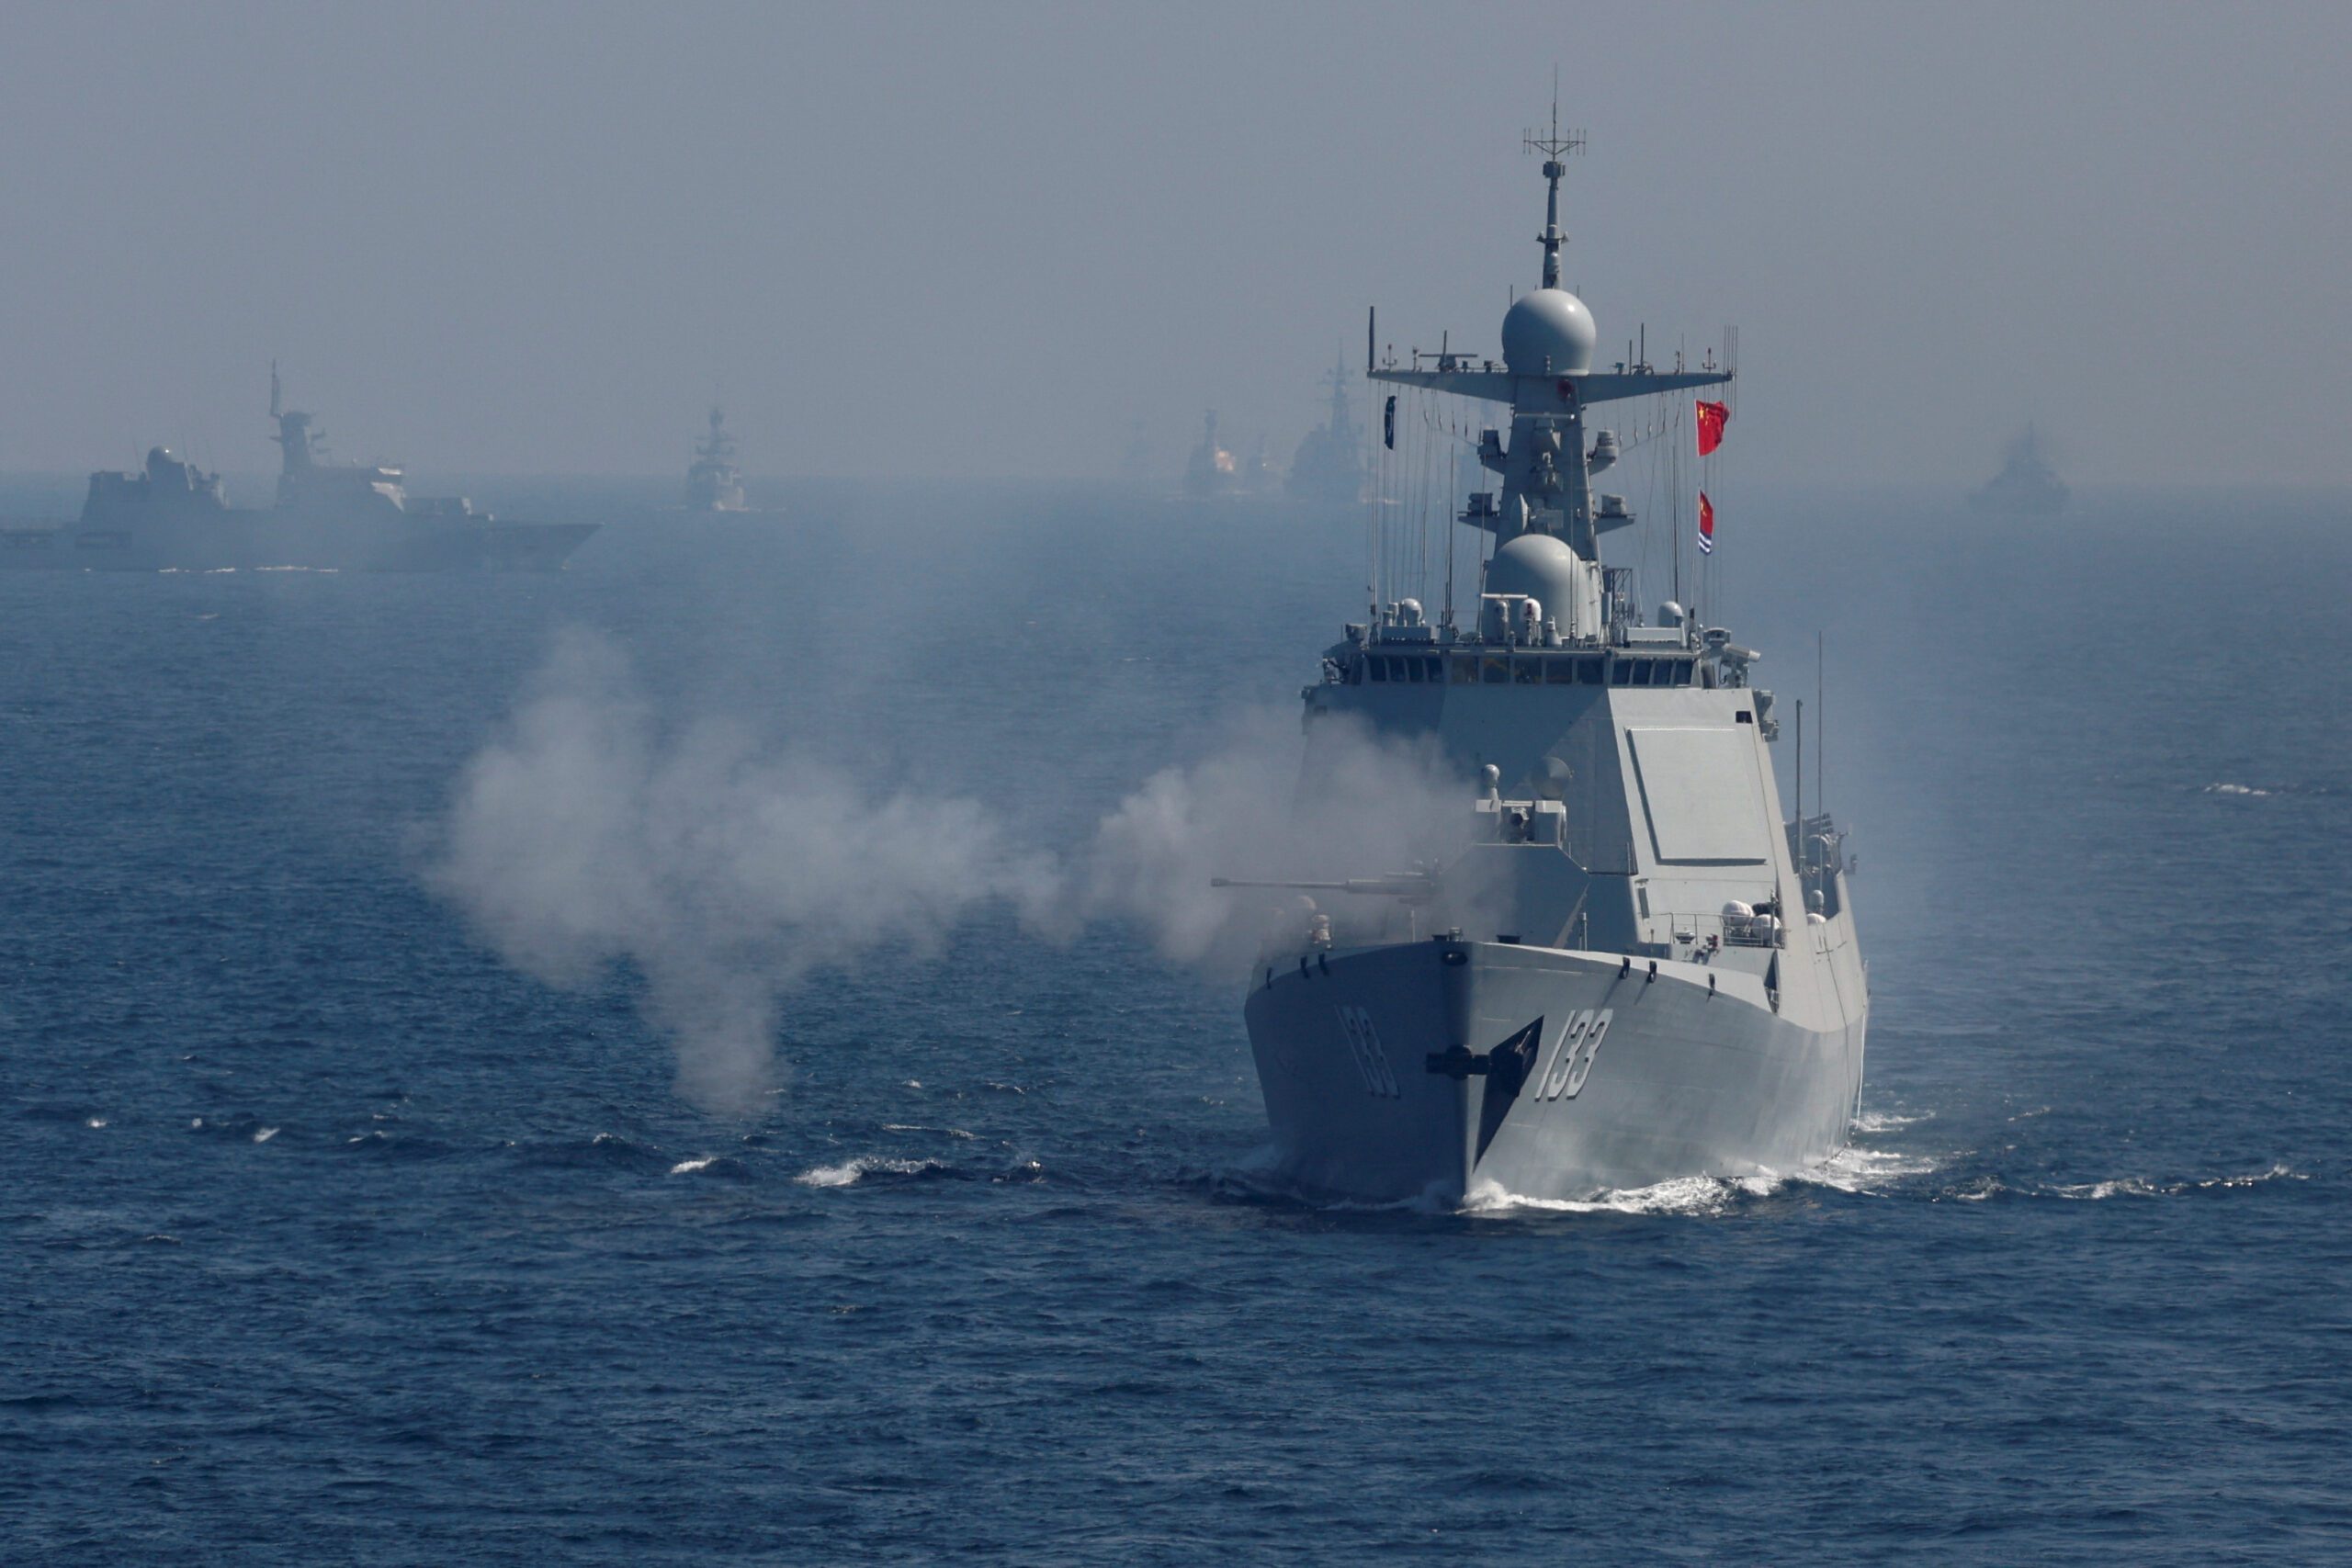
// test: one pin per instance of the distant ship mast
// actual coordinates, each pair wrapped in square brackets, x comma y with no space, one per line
[1329,463]
[299,446]
[718,445]
[1554,147]
[713,482]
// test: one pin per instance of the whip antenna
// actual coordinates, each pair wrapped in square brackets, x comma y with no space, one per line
[1554,146]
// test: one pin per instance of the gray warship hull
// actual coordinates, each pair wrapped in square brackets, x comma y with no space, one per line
[1628,1080]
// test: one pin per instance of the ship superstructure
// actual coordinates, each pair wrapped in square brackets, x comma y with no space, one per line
[1634,965]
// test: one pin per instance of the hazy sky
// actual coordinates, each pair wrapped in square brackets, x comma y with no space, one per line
[977,239]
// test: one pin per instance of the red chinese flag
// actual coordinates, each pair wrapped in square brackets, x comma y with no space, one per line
[1712,417]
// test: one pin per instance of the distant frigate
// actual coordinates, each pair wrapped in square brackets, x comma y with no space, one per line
[2027,485]
[171,515]
[1661,978]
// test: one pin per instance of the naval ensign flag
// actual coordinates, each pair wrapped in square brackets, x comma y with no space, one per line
[1712,417]
[1706,524]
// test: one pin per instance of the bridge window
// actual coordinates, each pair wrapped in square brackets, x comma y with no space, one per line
[1560,672]
[1527,671]
[1496,670]
[1621,672]
[1465,672]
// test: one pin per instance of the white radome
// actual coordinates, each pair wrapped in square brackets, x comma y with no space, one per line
[1549,332]
[1538,566]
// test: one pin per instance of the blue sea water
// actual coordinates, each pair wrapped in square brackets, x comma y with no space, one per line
[326,1234]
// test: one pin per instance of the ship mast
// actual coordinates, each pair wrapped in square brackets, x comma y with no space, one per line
[298,443]
[1547,378]
[1554,147]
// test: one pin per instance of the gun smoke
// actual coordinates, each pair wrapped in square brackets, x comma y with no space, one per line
[591,833]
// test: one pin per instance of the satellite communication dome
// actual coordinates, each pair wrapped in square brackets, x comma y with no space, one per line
[1537,565]
[1549,332]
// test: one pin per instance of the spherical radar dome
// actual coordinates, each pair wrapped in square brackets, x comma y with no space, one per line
[1549,332]
[1539,566]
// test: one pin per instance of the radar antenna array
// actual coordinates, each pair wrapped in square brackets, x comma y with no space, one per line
[1554,146]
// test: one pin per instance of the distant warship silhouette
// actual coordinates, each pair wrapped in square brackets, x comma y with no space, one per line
[329,516]
[714,483]
[1328,465]
[1212,469]
[2026,484]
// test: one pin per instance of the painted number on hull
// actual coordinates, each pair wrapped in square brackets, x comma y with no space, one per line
[1572,1060]
[1363,1044]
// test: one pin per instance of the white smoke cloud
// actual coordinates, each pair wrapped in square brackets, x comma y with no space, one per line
[590,833]
[1359,806]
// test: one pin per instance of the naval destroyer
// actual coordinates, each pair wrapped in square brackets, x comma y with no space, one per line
[1635,967]
[171,515]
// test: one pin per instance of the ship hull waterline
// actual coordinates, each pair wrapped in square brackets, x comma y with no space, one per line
[1686,1078]
[263,540]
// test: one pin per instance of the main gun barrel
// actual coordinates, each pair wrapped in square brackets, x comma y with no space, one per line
[1412,885]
